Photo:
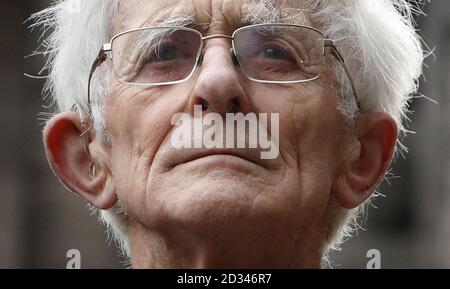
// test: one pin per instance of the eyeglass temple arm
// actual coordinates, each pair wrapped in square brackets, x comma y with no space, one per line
[337,54]
[101,57]
[87,124]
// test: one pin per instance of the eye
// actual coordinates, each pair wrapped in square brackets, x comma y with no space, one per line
[164,52]
[276,53]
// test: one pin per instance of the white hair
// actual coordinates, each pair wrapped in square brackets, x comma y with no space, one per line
[377,38]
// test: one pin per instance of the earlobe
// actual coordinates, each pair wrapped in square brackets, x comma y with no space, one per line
[364,168]
[65,150]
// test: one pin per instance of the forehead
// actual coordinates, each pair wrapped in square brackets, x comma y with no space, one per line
[211,14]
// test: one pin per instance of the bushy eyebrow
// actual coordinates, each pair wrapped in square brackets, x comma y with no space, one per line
[264,12]
[178,20]
[258,12]
[172,21]
[149,39]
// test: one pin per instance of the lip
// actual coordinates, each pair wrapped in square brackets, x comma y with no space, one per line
[222,157]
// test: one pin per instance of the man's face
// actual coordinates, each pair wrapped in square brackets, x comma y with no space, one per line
[163,187]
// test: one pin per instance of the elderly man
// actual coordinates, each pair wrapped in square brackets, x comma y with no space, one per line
[328,83]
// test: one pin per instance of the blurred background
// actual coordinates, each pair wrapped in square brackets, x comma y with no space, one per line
[40,221]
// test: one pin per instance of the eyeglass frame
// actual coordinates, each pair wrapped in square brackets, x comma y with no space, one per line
[328,43]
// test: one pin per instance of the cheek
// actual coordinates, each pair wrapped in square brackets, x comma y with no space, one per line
[307,114]
[318,152]
[138,123]
[309,123]
[316,161]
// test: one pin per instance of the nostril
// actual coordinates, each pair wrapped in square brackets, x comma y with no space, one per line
[200,101]
[234,105]
[205,105]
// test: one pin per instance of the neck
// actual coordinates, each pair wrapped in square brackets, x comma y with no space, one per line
[236,249]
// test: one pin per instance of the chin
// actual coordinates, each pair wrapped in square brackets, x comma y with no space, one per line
[213,203]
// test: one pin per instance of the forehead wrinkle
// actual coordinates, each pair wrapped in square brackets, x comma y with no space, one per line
[237,13]
[226,14]
[233,14]
[214,15]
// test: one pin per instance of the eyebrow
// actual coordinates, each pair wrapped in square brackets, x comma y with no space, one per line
[261,12]
[258,12]
[175,21]
[264,12]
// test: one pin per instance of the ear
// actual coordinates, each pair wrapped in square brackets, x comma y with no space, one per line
[369,158]
[71,163]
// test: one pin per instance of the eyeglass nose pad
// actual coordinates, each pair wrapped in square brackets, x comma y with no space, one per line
[234,57]
[200,58]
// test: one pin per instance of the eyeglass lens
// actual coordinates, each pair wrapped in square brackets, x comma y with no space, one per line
[265,53]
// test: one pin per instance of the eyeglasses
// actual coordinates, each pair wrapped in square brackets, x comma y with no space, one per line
[265,53]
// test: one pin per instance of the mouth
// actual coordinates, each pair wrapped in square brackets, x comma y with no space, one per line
[222,157]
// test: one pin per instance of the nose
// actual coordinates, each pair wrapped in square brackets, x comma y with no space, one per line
[218,87]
